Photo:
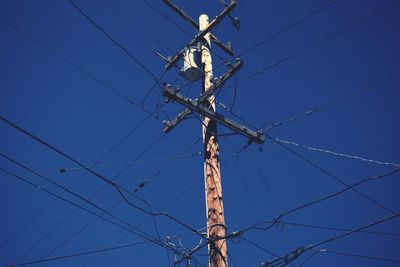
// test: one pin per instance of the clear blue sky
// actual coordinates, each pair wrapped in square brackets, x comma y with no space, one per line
[64,81]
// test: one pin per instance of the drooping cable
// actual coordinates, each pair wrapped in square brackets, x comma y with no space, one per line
[314,44]
[336,153]
[74,65]
[130,55]
[339,180]
[37,215]
[129,227]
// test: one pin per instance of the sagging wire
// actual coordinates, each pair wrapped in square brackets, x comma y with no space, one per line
[336,153]
[290,257]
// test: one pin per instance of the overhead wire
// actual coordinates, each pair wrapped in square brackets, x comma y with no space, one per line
[368,257]
[284,260]
[311,256]
[74,65]
[76,210]
[88,201]
[330,228]
[135,24]
[111,164]
[168,203]
[278,219]
[113,184]
[325,38]
[79,254]
[133,229]
[331,103]
[337,179]
[117,144]
[130,55]
[127,52]
[87,225]
[287,28]
[81,198]
[336,153]
[166,17]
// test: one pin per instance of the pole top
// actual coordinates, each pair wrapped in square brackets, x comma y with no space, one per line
[203,17]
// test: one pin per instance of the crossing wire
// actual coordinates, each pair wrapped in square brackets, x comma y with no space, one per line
[287,28]
[277,219]
[327,37]
[113,184]
[38,214]
[320,227]
[72,184]
[286,260]
[336,178]
[134,230]
[75,66]
[78,254]
[87,225]
[93,221]
[333,102]
[135,24]
[136,60]
[88,201]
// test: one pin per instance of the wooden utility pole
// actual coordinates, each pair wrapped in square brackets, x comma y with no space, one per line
[212,174]
[205,105]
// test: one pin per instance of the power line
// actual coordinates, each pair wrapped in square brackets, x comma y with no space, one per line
[277,220]
[122,163]
[61,57]
[133,23]
[93,221]
[330,228]
[119,189]
[311,256]
[336,153]
[258,246]
[135,230]
[314,44]
[88,201]
[37,215]
[368,257]
[114,41]
[337,179]
[284,260]
[166,17]
[287,28]
[323,242]
[81,254]
[331,103]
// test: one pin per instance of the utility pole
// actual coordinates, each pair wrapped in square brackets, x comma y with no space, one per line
[205,105]
[216,229]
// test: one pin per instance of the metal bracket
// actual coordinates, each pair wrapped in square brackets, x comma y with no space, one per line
[169,125]
[199,107]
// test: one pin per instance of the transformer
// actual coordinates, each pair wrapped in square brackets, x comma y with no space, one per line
[191,70]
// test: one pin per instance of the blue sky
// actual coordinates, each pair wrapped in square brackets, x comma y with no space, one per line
[65,82]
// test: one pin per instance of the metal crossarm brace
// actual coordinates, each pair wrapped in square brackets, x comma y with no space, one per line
[194,23]
[199,107]
[203,97]
[201,34]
